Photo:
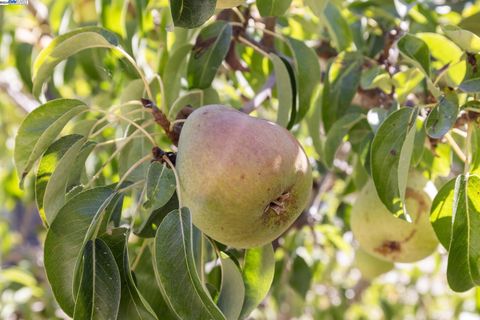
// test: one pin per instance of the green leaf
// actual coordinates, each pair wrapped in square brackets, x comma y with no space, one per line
[99,293]
[192,98]
[317,6]
[445,52]
[40,128]
[419,143]
[175,269]
[160,185]
[405,161]
[300,276]
[273,8]
[66,238]
[112,14]
[132,304]
[174,70]
[465,39]
[284,87]
[150,226]
[336,134]
[463,270]
[470,85]
[23,54]
[208,53]
[470,23]
[258,272]
[441,213]
[191,13]
[47,165]
[341,83]
[232,292]
[386,153]
[65,46]
[58,184]
[313,119]
[416,51]
[337,26]
[442,118]
[376,77]
[148,288]
[475,147]
[308,75]
[405,82]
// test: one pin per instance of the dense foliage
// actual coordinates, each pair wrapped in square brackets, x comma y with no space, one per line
[377,92]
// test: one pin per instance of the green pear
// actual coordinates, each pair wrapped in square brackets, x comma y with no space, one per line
[244,179]
[224,4]
[387,237]
[369,266]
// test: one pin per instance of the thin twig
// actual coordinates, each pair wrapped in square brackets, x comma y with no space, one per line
[455,147]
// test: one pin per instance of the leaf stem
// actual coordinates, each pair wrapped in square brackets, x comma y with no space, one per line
[133,123]
[455,147]
[254,46]
[140,73]
[177,180]
[133,167]
[468,146]
[140,253]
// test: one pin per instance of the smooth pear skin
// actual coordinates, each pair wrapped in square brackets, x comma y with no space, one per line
[231,167]
[369,266]
[387,237]
[224,4]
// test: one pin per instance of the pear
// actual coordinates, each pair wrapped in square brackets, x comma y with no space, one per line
[369,266]
[244,179]
[390,238]
[224,4]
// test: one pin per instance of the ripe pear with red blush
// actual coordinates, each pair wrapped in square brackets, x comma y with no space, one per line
[244,179]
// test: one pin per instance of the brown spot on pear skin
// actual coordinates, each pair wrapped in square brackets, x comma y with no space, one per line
[422,204]
[275,212]
[391,247]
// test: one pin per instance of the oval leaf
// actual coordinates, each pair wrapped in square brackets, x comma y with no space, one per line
[285,93]
[132,304]
[191,13]
[443,116]
[465,39]
[386,153]
[308,75]
[258,272]
[208,53]
[441,213]
[57,186]
[273,8]
[336,134]
[232,292]
[415,50]
[160,185]
[40,128]
[99,293]
[66,238]
[341,83]
[463,270]
[174,70]
[47,165]
[176,272]
[65,46]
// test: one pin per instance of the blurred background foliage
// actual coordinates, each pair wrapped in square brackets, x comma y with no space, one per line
[317,276]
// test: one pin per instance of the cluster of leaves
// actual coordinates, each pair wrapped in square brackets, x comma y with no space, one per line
[397,81]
